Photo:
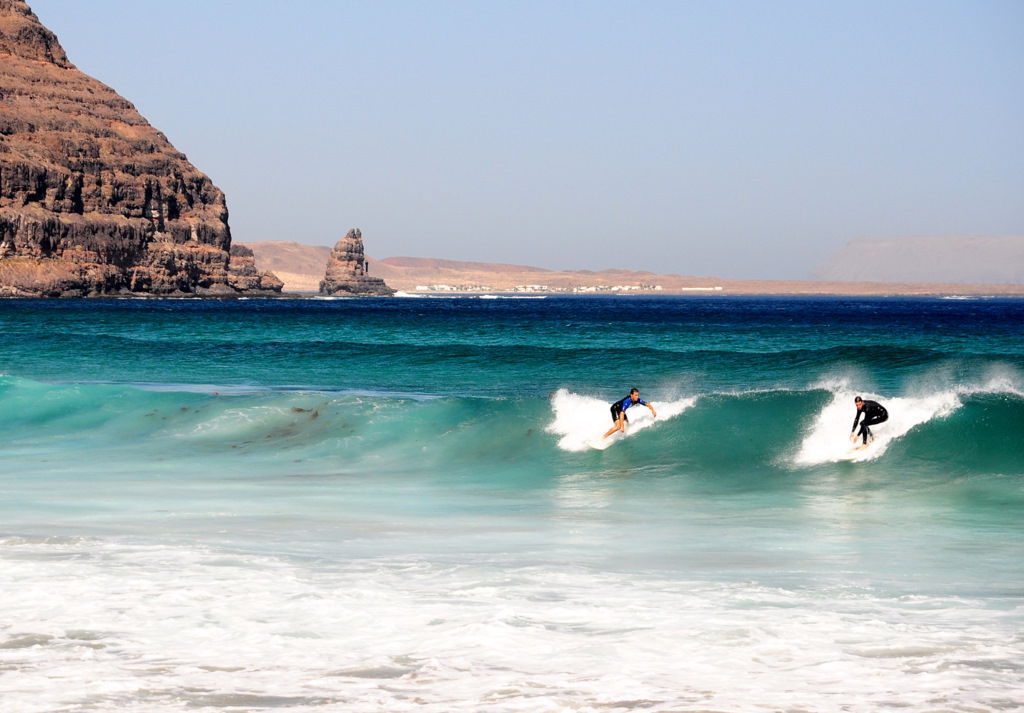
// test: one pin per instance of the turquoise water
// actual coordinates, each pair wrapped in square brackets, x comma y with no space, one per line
[392,505]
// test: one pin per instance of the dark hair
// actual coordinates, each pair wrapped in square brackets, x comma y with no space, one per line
[857,399]
[634,390]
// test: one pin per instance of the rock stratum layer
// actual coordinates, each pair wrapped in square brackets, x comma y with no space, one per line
[93,199]
[245,277]
[346,270]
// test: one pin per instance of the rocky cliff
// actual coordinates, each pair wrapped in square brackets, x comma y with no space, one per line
[300,267]
[94,200]
[346,270]
[243,275]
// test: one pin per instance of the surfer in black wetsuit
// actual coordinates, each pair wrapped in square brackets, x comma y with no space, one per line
[873,412]
[619,411]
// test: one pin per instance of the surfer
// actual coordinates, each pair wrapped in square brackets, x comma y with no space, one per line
[619,411]
[873,412]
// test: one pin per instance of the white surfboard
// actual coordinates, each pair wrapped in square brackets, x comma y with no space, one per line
[859,453]
[599,444]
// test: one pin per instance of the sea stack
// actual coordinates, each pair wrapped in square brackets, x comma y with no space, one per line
[346,271]
[93,199]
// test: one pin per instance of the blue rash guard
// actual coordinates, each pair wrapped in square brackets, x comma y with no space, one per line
[623,404]
[627,402]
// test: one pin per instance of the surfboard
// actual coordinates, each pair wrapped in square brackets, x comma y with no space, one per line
[599,444]
[858,452]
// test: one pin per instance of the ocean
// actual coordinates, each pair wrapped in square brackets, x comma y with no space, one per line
[393,505]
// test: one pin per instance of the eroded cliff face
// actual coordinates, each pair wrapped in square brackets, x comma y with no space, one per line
[346,270]
[94,200]
[243,275]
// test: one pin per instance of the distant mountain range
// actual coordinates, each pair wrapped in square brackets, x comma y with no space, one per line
[301,268]
[961,260]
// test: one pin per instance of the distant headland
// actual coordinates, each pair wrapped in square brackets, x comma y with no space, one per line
[93,199]
[301,268]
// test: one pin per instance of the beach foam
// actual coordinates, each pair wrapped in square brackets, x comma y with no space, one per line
[146,629]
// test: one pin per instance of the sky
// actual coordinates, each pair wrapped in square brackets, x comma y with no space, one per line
[736,138]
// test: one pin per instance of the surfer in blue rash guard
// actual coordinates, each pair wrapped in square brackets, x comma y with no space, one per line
[619,411]
[873,412]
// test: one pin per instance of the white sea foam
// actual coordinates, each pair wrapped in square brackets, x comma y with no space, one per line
[998,379]
[93,627]
[582,420]
[465,296]
[828,438]
[512,297]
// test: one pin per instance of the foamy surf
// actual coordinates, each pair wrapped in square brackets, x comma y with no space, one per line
[582,420]
[829,437]
[162,629]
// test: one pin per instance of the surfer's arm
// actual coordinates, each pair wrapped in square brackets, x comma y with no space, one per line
[653,413]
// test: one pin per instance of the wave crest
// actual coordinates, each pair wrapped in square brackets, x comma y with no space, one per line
[582,420]
[828,439]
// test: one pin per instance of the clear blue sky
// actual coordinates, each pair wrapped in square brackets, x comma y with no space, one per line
[746,139]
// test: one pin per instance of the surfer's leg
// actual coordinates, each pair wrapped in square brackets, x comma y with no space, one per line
[617,417]
[871,422]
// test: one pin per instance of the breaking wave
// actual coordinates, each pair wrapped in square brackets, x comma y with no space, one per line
[964,425]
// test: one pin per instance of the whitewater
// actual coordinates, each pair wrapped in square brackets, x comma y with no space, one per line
[398,505]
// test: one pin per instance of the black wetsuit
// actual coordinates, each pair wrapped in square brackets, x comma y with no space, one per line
[621,405]
[873,412]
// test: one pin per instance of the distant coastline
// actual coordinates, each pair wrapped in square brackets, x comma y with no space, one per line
[301,267]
